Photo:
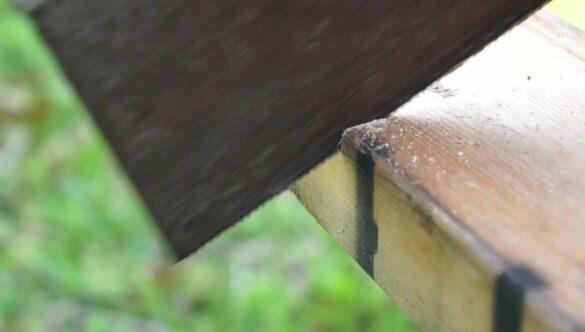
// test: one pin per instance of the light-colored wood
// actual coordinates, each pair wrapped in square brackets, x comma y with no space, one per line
[475,219]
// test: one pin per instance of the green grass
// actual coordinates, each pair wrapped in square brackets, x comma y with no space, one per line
[79,252]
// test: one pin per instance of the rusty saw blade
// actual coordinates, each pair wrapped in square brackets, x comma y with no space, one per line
[215,106]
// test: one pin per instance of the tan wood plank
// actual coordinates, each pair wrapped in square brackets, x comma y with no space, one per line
[467,205]
[215,106]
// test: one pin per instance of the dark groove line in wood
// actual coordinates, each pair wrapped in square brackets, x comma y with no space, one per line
[367,230]
[509,293]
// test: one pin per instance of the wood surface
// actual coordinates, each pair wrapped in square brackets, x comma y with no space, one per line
[467,205]
[215,106]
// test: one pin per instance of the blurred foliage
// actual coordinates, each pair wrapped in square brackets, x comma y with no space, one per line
[79,252]
[572,11]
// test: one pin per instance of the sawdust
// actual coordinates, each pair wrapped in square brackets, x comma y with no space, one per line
[372,137]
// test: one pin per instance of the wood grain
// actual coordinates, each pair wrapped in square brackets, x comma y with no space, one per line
[215,106]
[472,196]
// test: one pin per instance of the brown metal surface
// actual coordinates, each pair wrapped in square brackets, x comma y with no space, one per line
[215,106]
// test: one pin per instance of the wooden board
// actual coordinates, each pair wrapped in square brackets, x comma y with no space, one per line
[215,106]
[467,205]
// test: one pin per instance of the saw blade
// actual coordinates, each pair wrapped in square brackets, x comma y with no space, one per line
[215,106]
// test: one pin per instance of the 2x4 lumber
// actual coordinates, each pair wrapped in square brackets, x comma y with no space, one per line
[467,205]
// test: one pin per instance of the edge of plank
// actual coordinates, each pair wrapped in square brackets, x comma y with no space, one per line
[453,230]
[358,142]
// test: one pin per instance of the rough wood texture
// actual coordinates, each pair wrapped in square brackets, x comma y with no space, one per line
[467,205]
[214,106]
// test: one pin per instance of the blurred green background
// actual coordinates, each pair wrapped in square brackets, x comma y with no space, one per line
[78,252]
